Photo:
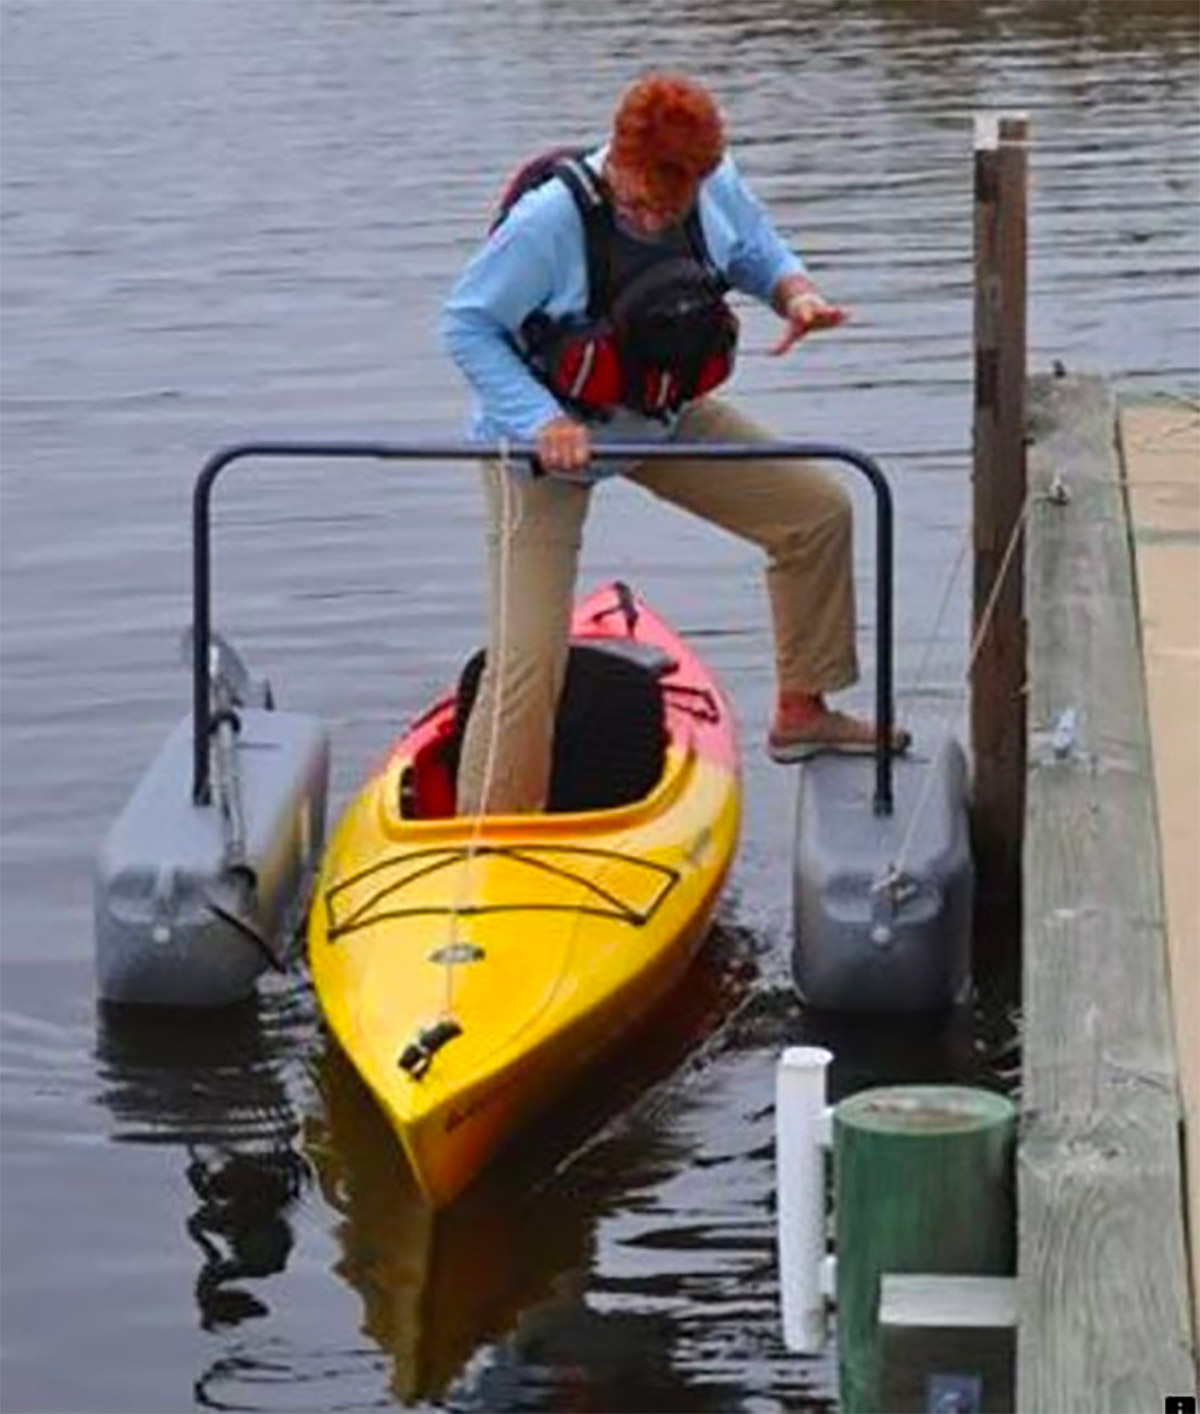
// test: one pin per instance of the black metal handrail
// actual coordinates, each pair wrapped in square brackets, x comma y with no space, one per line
[474,451]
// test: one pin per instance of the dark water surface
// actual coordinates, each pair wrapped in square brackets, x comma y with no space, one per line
[223,219]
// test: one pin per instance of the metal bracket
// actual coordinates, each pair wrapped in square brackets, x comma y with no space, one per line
[954,1394]
[1059,493]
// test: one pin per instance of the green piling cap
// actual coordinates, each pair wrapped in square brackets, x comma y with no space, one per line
[925,1109]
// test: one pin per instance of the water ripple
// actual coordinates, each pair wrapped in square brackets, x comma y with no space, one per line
[230,220]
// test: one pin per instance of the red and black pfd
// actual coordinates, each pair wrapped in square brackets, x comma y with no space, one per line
[658,331]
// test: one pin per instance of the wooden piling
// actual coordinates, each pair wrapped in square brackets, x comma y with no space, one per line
[922,1184]
[998,670]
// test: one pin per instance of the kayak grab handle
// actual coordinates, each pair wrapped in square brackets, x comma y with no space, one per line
[480,451]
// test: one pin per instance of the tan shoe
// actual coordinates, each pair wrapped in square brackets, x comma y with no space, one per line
[833,733]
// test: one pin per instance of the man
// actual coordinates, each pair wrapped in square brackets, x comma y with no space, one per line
[595,313]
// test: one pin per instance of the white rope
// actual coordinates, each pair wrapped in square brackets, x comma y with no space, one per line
[956,702]
[509,525]
[951,580]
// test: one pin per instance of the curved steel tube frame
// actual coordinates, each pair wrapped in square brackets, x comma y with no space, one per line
[469,451]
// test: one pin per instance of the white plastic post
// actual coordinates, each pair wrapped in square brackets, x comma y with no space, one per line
[800,1189]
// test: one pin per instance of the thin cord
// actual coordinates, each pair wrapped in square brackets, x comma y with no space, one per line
[951,581]
[509,525]
[981,632]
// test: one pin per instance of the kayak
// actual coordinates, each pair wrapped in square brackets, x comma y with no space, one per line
[472,968]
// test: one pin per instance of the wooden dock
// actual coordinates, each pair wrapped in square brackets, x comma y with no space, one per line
[1160,453]
[1105,1320]
[1085,737]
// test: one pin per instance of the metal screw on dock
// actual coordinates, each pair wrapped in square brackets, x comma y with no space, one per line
[923,1182]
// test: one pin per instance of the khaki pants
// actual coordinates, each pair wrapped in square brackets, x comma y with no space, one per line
[798,514]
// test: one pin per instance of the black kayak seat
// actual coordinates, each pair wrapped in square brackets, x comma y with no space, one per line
[610,736]
[654,659]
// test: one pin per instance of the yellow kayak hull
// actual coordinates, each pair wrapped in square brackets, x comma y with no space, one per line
[472,969]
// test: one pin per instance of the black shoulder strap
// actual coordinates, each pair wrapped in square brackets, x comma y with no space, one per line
[693,230]
[591,198]
[595,211]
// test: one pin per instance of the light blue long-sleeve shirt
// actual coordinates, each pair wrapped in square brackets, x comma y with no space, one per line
[536,260]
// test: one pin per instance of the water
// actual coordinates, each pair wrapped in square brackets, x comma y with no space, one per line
[223,219]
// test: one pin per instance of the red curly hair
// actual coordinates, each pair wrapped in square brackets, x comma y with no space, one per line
[668,129]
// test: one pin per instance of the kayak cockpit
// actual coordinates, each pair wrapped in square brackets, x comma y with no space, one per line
[610,743]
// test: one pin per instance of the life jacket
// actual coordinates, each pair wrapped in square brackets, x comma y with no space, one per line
[658,331]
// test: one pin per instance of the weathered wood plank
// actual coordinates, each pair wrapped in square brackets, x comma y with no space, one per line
[1160,457]
[1103,1298]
